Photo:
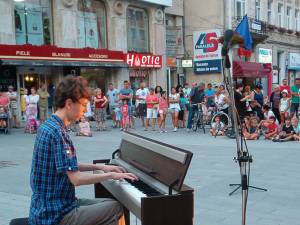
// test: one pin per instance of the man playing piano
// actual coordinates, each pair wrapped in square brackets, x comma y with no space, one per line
[55,171]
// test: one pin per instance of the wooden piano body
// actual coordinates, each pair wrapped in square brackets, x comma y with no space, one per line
[163,167]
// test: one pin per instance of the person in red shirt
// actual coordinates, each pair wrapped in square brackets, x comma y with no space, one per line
[100,104]
[285,86]
[272,128]
[4,100]
[152,106]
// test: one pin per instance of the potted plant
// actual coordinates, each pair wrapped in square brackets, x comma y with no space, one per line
[290,31]
[282,29]
[271,26]
[297,33]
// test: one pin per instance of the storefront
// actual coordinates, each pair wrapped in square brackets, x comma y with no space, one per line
[26,66]
[293,67]
[141,67]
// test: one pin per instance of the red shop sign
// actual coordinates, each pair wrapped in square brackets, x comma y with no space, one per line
[48,52]
[144,60]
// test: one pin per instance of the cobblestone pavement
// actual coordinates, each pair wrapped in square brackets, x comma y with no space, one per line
[275,167]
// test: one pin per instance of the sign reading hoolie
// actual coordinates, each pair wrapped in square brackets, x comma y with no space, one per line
[207,52]
[144,60]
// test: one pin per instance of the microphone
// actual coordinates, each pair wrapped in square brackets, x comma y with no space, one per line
[228,34]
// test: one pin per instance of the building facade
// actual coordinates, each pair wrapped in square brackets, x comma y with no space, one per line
[41,41]
[274,25]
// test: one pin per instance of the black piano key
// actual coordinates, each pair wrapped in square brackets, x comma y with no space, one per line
[145,188]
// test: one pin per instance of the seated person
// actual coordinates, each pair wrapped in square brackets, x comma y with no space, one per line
[84,128]
[287,131]
[296,127]
[251,132]
[272,128]
[217,128]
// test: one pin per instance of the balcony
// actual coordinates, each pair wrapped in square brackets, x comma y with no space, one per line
[257,28]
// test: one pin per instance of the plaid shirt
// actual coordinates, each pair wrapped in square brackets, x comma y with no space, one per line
[53,155]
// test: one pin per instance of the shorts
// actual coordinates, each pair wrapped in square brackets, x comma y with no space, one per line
[152,113]
[141,110]
[13,111]
[163,111]
[173,110]
[99,114]
[112,109]
[118,113]
[294,107]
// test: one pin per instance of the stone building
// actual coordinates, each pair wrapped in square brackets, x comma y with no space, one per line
[274,25]
[43,40]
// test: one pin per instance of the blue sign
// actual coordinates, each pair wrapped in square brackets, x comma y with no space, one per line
[207,66]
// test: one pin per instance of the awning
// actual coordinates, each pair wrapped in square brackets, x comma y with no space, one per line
[47,55]
[11,62]
[250,69]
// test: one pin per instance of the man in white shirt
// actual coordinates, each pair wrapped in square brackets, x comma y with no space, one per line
[113,99]
[141,107]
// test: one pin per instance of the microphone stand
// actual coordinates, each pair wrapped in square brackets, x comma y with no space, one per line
[243,157]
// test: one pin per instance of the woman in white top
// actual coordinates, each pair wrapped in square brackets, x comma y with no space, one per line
[31,105]
[284,106]
[174,107]
[221,100]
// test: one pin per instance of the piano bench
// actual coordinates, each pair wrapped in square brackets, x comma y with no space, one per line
[19,221]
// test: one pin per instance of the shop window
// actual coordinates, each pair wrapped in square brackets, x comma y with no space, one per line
[240,8]
[91,23]
[137,30]
[33,22]
[288,18]
[297,20]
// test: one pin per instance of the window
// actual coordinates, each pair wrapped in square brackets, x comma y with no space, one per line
[270,4]
[297,20]
[288,18]
[240,9]
[279,14]
[33,22]
[257,9]
[137,30]
[91,24]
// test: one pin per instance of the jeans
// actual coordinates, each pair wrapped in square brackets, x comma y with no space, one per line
[193,110]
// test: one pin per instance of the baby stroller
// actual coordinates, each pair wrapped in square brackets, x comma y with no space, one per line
[4,120]
[32,123]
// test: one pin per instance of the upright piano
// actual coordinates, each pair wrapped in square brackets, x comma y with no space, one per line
[159,197]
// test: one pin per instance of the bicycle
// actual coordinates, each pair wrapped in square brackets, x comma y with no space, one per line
[198,120]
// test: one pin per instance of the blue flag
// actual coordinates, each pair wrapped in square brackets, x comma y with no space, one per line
[243,30]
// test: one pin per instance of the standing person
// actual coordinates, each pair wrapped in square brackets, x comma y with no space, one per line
[13,106]
[257,95]
[295,98]
[141,107]
[186,90]
[152,106]
[127,94]
[43,102]
[210,95]
[55,171]
[240,101]
[163,110]
[196,96]
[181,115]
[174,107]
[125,116]
[4,100]
[275,102]
[100,103]
[285,86]
[158,90]
[113,98]
[285,105]
[221,101]
[32,104]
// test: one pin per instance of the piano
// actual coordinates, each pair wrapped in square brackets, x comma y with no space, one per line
[159,197]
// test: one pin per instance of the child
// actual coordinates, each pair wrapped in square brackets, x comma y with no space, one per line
[118,116]
[163,109]
[284,106]
[287,131]
[272,128]
[296,127]
[84,128]
[3,115]
[125,116]
[252,131]
[205,110]
[217,128]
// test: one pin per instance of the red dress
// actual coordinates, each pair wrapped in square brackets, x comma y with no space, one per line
[125,115]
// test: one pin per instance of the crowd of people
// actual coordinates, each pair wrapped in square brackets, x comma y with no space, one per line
[274,117]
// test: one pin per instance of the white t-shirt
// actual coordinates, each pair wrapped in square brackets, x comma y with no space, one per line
[113,96]
[141,93]
[174,105]
[219,126]
[284,104]
[220,101]
[13,102]
[270,114]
